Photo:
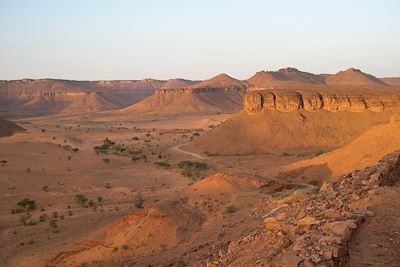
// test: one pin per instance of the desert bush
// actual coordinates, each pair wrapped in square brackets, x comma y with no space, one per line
[43,217]
[26,219]
[230,209]
[186,164]
[75,149]
[91,203]
[54,214]
[106,160]
[135,138]
[162,164]
[285,154]
[53,226]
[107,185]
[139,201]
[45,188]
[125,246]
[81,199]
[196,134]
[107,144]
[99,199]
[3,162]
[27,204]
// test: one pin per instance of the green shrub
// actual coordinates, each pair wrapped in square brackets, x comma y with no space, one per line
[162,164]
[185,164]
[27,204]
[81,199]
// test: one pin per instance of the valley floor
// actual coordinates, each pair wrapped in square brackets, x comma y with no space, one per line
[193,202]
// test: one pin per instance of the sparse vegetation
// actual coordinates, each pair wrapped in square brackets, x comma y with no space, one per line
[27,204]
[162,164]
[81,199]
[3,162]
[107,144]
[53,226]
[286,154]
[230,209]
[45,188]
[43,217]
[139,201]
[185,164]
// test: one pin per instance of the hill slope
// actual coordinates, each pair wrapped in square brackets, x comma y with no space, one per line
[364,151]
[287,76]
[220,94]
[279,132]
[353,77]
[8,128]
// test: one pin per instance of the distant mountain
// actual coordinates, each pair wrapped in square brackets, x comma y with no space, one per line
[177,83]
[220,81]
[392,81]
[286,76]
[353,77]
[52,96]
[220,94]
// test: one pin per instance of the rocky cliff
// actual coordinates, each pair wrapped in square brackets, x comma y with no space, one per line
[287,101]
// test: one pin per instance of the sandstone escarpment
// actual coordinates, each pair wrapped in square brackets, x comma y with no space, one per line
[285,101]
[189,90]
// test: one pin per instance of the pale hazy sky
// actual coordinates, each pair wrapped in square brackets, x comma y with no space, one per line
[94,39]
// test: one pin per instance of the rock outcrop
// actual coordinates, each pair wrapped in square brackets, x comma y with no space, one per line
[312,229]
[287,101]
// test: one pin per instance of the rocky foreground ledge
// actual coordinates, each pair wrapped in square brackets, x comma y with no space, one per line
[287,101]
[311,229]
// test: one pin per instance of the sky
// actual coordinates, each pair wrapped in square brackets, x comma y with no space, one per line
[162,39]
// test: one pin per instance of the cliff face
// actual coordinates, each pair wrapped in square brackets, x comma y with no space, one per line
[257,101]
[181,91]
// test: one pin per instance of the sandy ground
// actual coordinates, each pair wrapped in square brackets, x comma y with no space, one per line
[185,213]
[42,166]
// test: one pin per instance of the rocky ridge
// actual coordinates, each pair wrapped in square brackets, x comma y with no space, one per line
[287,101]
[311,229]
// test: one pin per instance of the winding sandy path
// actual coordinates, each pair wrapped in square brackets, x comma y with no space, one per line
[178,149]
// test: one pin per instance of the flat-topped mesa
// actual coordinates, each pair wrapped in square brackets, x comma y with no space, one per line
[189,90]
[284,101]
